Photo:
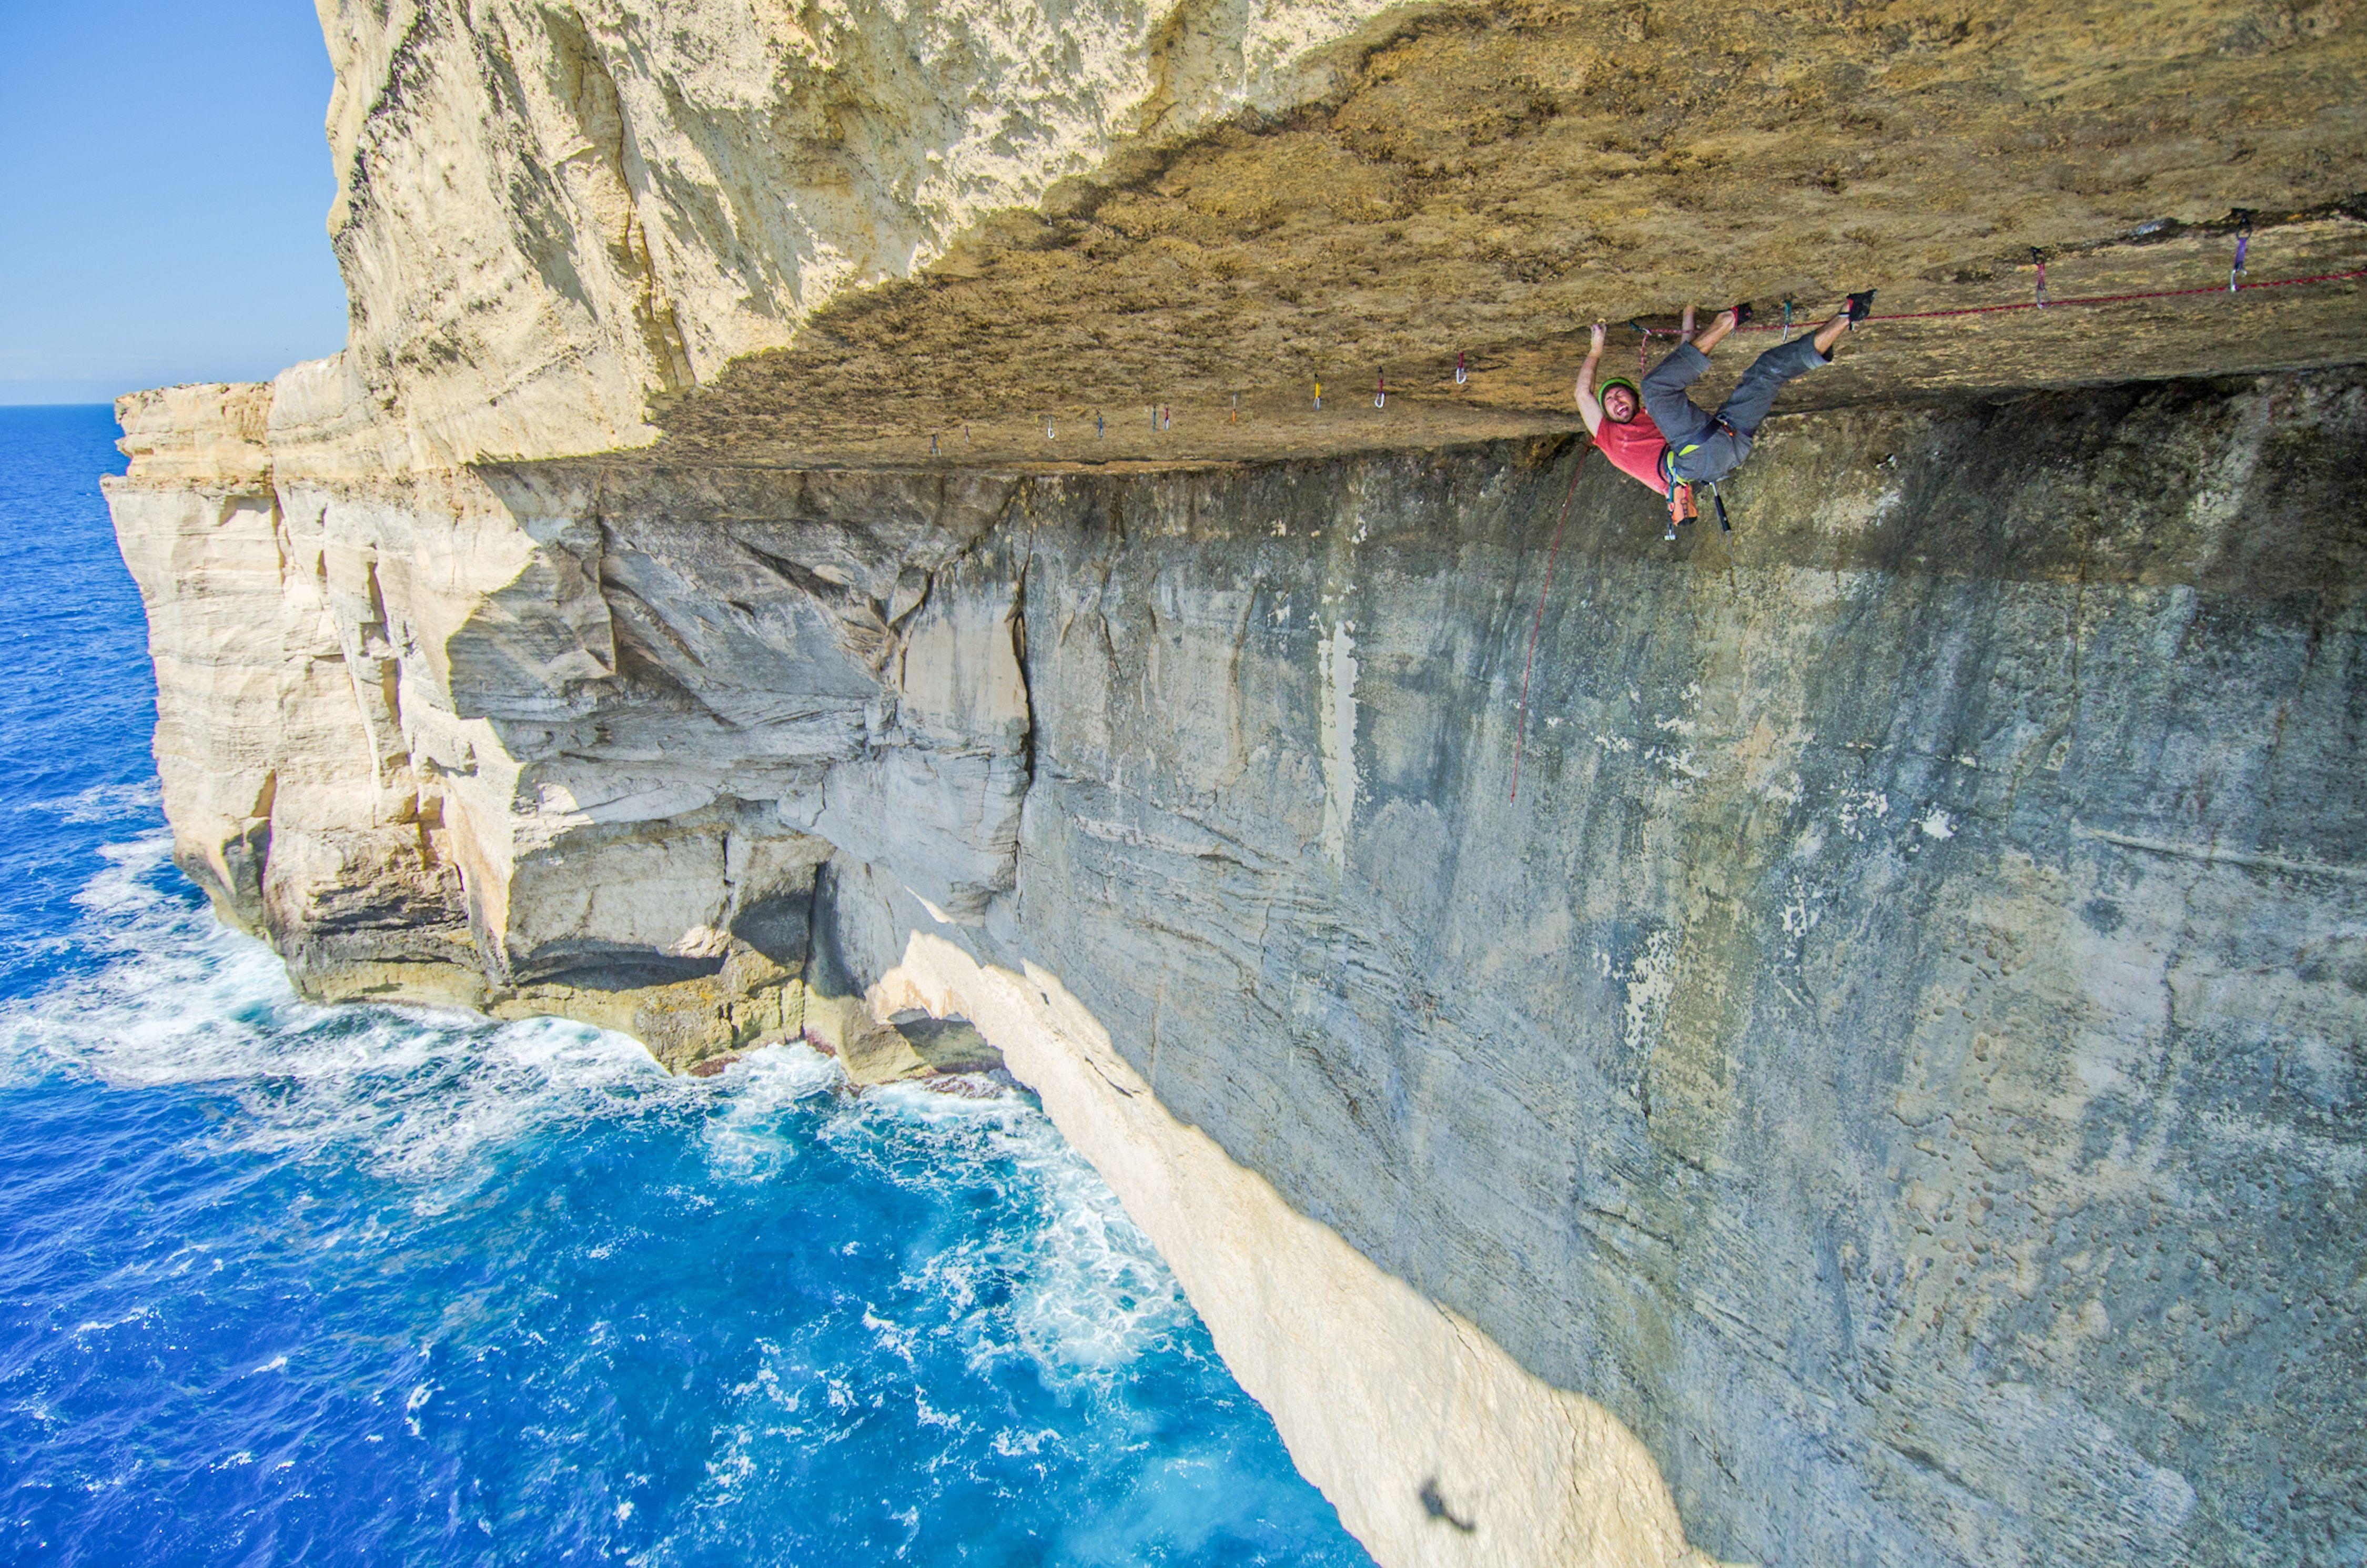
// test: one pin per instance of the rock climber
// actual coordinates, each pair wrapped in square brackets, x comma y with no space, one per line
[1663,439]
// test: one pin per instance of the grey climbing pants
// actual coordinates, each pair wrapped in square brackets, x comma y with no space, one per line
[1704,447]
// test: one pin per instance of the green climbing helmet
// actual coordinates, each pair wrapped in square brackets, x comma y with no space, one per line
[1633,390]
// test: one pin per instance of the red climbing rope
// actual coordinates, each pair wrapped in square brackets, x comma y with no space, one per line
[2121,299]
[2051,303]
[1520,734]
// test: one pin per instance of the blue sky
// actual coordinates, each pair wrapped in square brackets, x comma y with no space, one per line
[163,189]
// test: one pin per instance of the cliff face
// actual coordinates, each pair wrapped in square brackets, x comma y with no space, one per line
[1885,1088]
[548,213]
[1899,1052]
[825,233]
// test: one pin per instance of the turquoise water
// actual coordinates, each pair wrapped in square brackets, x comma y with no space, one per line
[280,1283]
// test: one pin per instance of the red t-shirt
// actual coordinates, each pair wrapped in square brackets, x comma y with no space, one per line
[1635,448]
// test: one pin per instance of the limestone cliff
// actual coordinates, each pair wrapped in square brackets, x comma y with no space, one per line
[827,233]
[547,213]
[1886,1086]
[1900,1053]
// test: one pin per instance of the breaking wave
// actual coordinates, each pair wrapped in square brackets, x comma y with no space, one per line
[364,1283]
[282,1282]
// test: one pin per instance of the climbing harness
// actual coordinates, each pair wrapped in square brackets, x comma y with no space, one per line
[1521,729]
[1682,508]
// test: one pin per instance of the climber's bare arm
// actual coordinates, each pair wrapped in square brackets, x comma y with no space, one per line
[1590,407]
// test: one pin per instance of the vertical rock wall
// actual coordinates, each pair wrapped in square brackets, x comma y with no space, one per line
[1898,1060]
[1902,1049]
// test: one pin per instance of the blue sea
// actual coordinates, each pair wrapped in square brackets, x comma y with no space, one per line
[282,1284]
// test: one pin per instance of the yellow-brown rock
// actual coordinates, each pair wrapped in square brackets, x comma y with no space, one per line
[828,236]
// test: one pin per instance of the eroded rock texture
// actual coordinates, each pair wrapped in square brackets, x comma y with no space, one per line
[827,233]
[568,740]
[547,213]
[1900,1052]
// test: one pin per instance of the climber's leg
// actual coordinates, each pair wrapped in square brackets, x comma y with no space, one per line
[1680,420]
[1746,407]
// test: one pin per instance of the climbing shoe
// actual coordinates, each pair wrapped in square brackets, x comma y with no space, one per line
[1857,307]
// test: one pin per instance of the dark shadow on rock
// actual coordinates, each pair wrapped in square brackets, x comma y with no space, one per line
[1435,1506]
[947,1045]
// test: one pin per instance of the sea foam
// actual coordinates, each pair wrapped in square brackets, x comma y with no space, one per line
[367,1284]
